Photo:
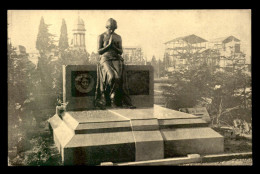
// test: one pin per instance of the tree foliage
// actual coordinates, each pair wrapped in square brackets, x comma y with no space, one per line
[226,94]
[21,73]
[30,86]
[94,58]
[63,41]
[44,40]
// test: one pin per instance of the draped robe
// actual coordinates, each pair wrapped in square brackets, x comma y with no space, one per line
[111,76]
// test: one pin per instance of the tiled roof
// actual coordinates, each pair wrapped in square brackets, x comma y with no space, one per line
[225,39]
[192,39]
[79,24]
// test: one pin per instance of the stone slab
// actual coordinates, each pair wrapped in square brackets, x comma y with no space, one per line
[87,128]
[96,121]
[149,150]
[96,116]
[92,149]
[78,100]
[139,78]
[149,145]
[183,141]
[138,134]
[54,121]
[190,133]
[62,133]
[202,111]
[95,155]
[132,114]
[157,112]
[145,125]
[142,136]
[148,138]
[72,146]
[165,113]
[182,123]
[101,139]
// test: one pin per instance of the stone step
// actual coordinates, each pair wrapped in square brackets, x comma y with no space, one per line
[93,137]
[88,122]
[182,123]
[88,128]
[92,149]
[182,141]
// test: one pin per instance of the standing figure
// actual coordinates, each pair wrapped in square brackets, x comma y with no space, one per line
[111,89]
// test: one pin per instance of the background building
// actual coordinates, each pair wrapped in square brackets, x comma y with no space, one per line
[223,53]
[175,49]
[78,41]
[229,51]
[133,55]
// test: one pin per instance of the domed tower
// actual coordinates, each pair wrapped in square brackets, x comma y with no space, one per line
[79,34]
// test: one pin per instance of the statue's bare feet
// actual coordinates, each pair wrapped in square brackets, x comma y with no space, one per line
[100,106]
[113,105]
[129,106]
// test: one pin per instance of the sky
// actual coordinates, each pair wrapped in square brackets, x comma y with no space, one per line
[149,29]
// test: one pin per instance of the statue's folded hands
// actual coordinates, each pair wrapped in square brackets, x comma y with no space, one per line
[110,90]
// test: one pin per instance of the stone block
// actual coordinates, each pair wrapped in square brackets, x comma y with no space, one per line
[78,97]
[202,111]
[182,123]
[62,134]
[135,114]
[183,141]
[149,145]
[96,121]
[165,113]
[92,137]
[125,135]
[140,83]
[93,149]
[139,80]
[145,124]
[145,129]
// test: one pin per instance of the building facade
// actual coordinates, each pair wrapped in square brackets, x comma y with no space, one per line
[223,53]
[79,30]
[230,55]
[133,55]
[177,50]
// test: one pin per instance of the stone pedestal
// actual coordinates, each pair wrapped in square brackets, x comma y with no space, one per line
[150,132]
[124,135]
[140,84]
[92,137]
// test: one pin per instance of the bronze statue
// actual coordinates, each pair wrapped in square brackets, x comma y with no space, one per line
[111,89]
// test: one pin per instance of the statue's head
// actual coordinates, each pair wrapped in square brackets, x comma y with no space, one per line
[111,25]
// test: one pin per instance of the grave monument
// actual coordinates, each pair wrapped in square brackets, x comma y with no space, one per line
[85,135]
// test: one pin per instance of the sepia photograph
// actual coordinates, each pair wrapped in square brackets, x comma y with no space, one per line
[129,87]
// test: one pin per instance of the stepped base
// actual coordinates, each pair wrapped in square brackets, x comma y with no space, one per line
[125,135]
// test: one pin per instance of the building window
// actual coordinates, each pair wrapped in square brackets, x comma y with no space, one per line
[237,48]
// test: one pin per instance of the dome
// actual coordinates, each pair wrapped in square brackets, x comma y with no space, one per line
[79,25]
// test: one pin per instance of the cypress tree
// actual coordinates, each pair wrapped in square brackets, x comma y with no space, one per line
[63,41]
[44,40]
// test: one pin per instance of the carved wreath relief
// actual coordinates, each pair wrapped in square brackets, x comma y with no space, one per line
[84,83]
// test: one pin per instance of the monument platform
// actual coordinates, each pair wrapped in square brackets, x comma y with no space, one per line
[149,132]
[125,135]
